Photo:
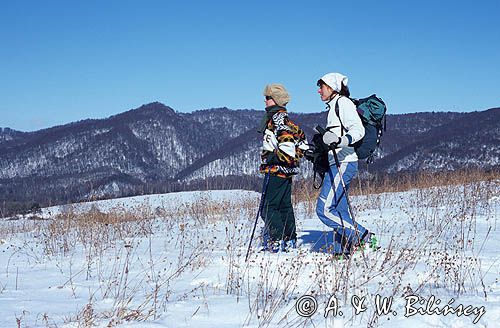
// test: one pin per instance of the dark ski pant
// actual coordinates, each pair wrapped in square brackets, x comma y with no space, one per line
[277,212]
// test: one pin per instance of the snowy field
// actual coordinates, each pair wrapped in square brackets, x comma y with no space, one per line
[178,260]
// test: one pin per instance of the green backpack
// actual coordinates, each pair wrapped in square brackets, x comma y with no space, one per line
[372,112]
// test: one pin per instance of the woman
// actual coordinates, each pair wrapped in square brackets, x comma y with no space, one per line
[344,128]
[280,159]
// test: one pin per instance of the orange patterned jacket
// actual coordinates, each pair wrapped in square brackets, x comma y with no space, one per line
[284,160]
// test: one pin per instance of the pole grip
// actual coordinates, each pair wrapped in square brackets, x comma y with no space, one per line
[320,129]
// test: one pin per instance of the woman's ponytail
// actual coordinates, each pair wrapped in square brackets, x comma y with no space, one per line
[344,91]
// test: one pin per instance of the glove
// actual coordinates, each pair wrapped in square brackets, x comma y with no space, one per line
[270,142]
[331,139]
[344,142]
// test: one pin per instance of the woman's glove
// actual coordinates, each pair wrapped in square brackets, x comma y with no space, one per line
[331,139]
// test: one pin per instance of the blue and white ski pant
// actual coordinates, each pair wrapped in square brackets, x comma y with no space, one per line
[332,207]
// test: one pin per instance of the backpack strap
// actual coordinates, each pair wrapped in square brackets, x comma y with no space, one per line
[337,112]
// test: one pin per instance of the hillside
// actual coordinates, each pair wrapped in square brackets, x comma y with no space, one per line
[155,149]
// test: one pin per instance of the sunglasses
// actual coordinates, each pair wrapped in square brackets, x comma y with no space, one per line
[269,97]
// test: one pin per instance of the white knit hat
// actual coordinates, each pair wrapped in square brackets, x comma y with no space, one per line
[334,81]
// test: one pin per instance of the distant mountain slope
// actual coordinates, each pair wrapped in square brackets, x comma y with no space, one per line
[147,142]
[10,136]
[471,140]
[405,129]
[154,145]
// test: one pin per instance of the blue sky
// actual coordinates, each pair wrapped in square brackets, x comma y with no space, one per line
[64,61]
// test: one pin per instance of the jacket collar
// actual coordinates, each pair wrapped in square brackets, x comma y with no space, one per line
[270,111]
[334,99]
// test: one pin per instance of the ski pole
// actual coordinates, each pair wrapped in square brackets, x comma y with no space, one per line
[337,163]
[261,205]
[349,206]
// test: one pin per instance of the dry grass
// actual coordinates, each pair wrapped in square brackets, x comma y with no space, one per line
[305,193]
[441,249]
[121,254]
[421,180]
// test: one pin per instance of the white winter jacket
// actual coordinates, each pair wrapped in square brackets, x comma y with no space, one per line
[353,127]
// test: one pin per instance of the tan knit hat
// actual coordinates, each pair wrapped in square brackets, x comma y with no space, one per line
[278,93]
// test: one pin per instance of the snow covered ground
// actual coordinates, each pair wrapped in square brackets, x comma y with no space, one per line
[178,260]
